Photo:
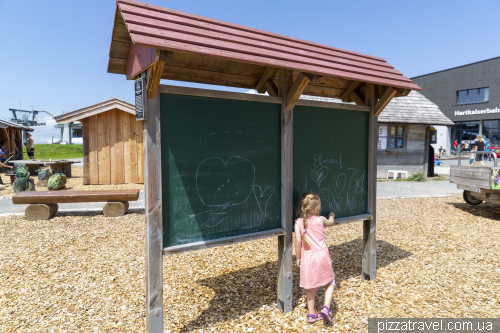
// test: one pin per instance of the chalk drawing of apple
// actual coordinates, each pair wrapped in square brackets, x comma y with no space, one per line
[227,183]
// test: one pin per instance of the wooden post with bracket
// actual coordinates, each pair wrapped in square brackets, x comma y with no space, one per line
[153,211]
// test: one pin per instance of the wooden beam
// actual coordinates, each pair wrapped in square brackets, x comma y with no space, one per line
[402,92]
[271,88]
[356,98]
[269,74]
[285,278]
[296,90]
[347,93]
[314,78]
[332,105]
[154,77]
[165,56]
[384,100]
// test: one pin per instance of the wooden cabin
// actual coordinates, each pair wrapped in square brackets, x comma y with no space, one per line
[11,136]
[404,132]
[112,142]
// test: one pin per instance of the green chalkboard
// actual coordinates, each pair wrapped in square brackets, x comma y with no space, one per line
[221,168]
[330,158]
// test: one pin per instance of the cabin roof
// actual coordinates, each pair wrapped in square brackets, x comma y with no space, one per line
[110,104]
[205,50]
[7,124]
[412,109]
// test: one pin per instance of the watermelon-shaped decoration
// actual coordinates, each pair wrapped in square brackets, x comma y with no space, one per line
[57,182]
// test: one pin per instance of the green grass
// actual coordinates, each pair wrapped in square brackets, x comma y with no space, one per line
[56,152]
[440,178]
[416,177]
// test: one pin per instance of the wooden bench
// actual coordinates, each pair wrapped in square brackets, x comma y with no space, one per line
[43,204]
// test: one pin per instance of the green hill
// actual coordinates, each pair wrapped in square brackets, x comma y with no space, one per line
[56,151]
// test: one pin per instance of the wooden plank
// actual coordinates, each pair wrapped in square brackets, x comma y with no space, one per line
[49,197]
[117,66]
[177,46]
[86,158]
[139,59]
[473,182]
[285,278]
[105,166]
[120,33]
[269,74]
[119,49]
[217,94]
[99,146]
[369,267]
[113,142]
[155,74]
[426,149]
[164,27]
[296,90]
[384,100]
[208,77]
[346,96]
[120,165]
[351,219]
[93,151]
[133,150]
[140,152]
[126,148]
[153,212]
[271,88]
[165,56]
[12,141]
[244,46]
[356,98]
[222,241]
[314,78]
[322,91]
[331,105]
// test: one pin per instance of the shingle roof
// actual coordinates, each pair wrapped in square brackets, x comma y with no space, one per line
[6,123]
[412,109]
[166,29]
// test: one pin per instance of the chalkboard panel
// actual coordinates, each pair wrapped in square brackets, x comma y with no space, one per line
[221,168]
[330,158]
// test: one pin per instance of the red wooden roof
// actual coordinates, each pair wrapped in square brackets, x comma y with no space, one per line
[161,28]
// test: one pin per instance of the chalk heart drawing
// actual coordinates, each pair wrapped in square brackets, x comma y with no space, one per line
[225,183]
[263,197]
[319,175]
[338,183]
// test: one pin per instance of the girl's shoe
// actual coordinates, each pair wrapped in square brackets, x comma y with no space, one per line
[313,318]
[327,314]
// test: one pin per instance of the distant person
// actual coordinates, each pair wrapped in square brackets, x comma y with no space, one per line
[479,146]
[30,146]
[488,156]
[455,145]
[312,255]
[17,154]
[440,150]
[444,152]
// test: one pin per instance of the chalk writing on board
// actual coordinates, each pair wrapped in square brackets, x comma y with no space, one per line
[222,185]
[340,192]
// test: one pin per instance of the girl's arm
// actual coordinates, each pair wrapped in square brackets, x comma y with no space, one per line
[298,244]
[330,221]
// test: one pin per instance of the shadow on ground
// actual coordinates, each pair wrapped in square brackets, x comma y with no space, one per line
[486,209]
[250,288]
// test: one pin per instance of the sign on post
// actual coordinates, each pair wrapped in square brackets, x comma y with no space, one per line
[139,99]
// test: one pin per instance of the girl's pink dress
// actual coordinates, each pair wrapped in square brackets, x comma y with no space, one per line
[315,263]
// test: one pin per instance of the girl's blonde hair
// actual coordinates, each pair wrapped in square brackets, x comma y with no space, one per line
[307,203]
[480,138]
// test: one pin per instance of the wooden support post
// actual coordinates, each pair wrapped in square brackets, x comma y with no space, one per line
[384,100]
[346,96]
[293,95]
[285,279]
[115,208]
[154,77]
[86,160]
[36,212]
[369,254]
[153,212]
[269,74]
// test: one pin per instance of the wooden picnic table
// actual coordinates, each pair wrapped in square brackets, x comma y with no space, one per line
[60,166]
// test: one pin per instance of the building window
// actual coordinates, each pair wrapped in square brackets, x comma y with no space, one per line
[469,96]
[77,132]
[392,137]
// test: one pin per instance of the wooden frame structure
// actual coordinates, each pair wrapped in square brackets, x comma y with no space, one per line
[12,135]
[158,43]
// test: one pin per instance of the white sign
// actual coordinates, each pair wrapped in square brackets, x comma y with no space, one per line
[382,137]
[382,143]
[476,111]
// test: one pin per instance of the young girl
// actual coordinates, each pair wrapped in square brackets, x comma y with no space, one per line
[312,254]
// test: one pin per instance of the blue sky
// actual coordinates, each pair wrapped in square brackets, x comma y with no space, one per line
[54,53]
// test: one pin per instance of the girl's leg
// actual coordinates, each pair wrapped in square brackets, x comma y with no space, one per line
[311,297]
[329,294]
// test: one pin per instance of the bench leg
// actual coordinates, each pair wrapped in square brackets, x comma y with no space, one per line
[114,209]
[36,212]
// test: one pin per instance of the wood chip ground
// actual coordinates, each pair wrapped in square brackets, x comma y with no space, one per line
[86,273]
[74,183]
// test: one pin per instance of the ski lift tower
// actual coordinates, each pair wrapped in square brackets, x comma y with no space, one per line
[27,118]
